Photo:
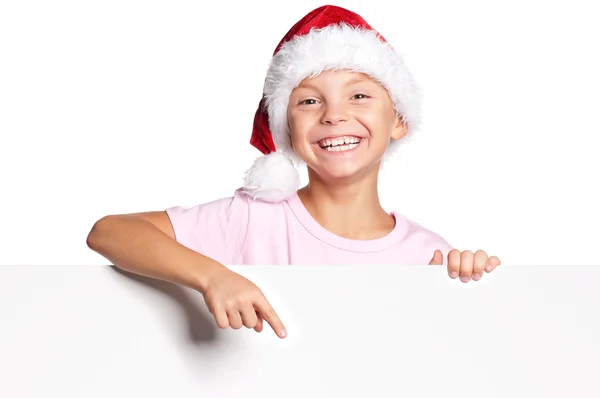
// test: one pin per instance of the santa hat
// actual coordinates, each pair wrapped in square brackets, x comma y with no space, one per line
[327,38]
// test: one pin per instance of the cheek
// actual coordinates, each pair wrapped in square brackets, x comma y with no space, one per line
[382,124]
[296,143]
[299,143]
[299,129]
[378,126]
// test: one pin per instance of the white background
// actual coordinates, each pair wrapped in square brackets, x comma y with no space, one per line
[125,106]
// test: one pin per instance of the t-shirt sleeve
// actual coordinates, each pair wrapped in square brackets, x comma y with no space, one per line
[216,229]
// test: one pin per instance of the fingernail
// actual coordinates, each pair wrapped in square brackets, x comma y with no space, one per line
[476,277]
[464,279]
[283,333]
[488,267]
[453,274]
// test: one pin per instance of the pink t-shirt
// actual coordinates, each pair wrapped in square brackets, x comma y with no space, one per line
[239,230]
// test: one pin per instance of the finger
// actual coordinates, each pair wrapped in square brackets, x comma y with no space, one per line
[454,263]
[235,319]
[270,316]
[492,263]
[221,318]
[466,265]
[437,259]
[248,316]
[479,263]
[259,323]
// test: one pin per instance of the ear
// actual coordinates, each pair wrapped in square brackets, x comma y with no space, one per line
[400,128]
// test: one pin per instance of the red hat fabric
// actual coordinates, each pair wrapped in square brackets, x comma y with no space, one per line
[329,37]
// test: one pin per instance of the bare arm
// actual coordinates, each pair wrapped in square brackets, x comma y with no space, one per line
[144,244]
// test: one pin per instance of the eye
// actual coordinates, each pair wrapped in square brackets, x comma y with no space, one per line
[361,95]
[307,102]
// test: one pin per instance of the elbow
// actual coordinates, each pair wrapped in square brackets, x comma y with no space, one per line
[93,236]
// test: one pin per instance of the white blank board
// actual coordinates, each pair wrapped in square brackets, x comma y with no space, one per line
[364,331]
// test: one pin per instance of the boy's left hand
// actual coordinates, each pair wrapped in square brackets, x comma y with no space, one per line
[466,264]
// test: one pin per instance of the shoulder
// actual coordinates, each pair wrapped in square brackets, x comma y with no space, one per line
[217,217]
[237,208]
[226,205]
[422,235]
[256,206]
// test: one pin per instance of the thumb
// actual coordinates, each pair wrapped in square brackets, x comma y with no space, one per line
[437,259]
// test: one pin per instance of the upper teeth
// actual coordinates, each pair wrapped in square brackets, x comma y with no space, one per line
[339,141]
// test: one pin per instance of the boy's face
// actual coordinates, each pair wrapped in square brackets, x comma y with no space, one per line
[341,123]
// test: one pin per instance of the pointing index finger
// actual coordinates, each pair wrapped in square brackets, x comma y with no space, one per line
[270,316]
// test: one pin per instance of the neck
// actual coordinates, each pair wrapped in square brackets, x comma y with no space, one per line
[350,208]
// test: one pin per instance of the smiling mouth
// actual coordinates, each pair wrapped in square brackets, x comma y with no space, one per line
[339,144]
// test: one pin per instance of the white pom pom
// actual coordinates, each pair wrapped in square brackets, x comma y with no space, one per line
[272,178]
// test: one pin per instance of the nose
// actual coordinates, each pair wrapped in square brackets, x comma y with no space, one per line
[334,114]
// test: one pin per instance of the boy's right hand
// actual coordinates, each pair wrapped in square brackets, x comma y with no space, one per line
[235,301]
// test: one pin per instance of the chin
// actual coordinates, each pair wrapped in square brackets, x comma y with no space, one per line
[338,172]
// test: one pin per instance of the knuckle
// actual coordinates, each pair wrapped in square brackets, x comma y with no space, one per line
[232,302]
[240,300]
[270,314]
[256,293]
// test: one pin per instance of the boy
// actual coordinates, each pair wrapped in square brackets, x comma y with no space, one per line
[338,99]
